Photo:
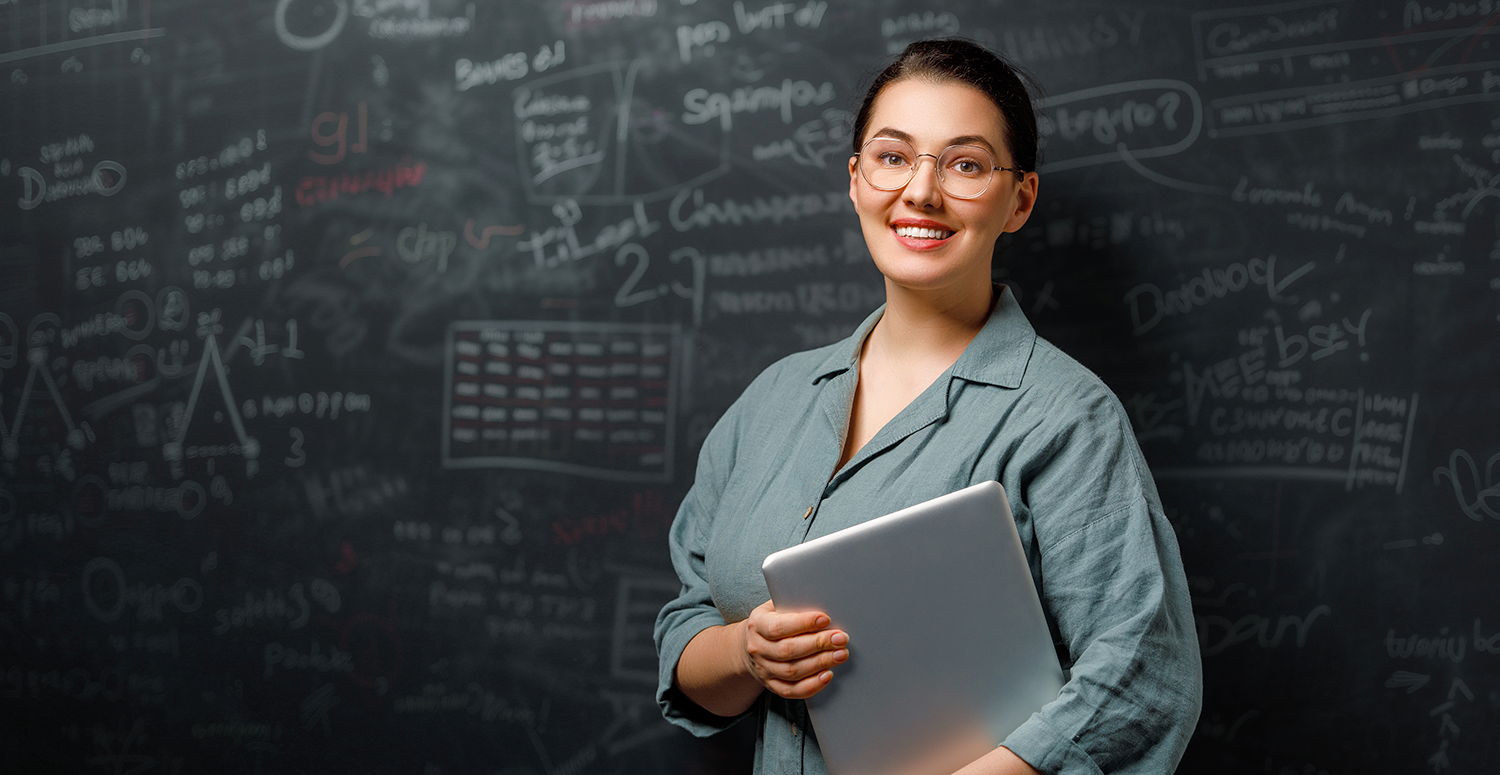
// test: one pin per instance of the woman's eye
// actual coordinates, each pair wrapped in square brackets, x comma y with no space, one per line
[892,160]
[966,167]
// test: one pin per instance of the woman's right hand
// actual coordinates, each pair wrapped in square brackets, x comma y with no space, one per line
[791,654]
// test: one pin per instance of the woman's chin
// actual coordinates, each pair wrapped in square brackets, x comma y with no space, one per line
[927,280]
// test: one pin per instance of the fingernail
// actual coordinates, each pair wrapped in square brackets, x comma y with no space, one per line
[826,676]
[840,656]
[839,639]
[822,621]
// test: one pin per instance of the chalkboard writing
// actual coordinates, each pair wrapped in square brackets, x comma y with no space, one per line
[588,400]
[355,356]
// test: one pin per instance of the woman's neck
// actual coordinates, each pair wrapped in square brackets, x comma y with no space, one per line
[931,326]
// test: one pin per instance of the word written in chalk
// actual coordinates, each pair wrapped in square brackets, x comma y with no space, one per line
[1149,303]
[417,244]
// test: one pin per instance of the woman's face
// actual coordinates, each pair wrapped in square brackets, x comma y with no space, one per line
[921,237]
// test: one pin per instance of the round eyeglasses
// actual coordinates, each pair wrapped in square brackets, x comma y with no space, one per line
[963,171]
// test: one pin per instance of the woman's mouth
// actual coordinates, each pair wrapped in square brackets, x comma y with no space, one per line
[918,232]
[922,235]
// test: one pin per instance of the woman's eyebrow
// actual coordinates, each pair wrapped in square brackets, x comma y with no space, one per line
[960,140]
[972,140]
[896,133]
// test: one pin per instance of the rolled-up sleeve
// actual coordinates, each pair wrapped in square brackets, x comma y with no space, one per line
[1111,578]
[693,610]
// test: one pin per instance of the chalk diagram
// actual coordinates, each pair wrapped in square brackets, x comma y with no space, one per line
[134,307]
[586,135]
[590,399]
[248,447]
[135,316]
[36,359]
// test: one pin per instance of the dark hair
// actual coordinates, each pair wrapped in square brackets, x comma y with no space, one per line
[955,59]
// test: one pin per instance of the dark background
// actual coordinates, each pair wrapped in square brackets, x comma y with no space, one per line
[355,354]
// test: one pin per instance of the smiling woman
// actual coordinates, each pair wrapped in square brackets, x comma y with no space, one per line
[945,386]
[933,229]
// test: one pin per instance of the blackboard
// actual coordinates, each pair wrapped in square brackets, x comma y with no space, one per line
[355,354]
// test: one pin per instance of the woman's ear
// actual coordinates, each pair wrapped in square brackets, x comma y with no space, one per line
[853,179]
[1025,201]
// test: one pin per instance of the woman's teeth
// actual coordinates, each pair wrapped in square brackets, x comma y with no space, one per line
[917,232]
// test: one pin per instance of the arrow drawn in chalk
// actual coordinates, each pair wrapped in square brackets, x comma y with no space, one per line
[482,241]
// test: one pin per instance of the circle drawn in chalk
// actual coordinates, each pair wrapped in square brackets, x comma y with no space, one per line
[199,498]
[144,304]
[312,42]
[109,177]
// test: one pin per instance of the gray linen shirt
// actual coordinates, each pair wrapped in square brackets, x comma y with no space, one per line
[1013,408]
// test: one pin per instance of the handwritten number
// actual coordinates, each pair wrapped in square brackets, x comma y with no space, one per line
[299,456]
[700,269]
[627,296]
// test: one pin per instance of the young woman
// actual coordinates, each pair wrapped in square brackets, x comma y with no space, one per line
[945,386]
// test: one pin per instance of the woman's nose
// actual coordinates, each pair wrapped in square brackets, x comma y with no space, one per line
[924,188]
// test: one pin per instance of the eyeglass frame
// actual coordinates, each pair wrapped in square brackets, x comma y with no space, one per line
[936,168]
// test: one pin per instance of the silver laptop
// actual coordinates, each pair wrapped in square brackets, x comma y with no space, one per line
[949,650]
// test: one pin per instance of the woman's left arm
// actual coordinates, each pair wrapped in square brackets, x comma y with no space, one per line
[1111,577]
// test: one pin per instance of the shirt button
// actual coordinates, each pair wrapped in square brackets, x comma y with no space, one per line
[808,513]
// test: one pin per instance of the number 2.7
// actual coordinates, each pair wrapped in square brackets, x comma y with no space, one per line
[628,296]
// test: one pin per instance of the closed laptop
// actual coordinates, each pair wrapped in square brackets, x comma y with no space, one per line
[949,648]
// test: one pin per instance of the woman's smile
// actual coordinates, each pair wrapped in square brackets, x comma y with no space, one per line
[922,234]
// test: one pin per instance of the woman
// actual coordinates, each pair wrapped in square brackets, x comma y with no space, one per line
[947,385]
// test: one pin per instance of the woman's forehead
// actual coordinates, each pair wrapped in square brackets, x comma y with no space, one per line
[925,112]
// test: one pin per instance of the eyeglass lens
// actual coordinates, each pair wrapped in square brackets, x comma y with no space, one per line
[963,170]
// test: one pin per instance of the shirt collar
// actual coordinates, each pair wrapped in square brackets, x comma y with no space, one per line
[998,355]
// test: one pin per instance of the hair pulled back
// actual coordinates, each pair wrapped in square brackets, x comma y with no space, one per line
[966,62]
